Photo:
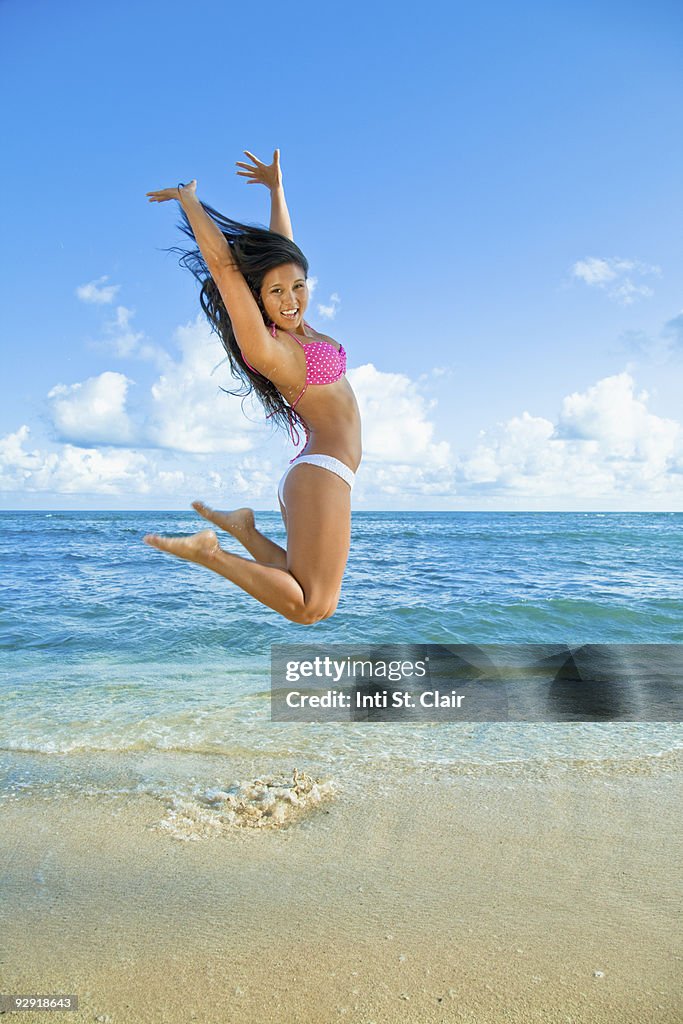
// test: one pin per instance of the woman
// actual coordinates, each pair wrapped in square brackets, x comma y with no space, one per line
[255,294]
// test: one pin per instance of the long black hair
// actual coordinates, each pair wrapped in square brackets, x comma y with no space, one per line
[255,250]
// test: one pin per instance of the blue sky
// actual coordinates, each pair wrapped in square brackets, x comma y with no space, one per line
[489,199]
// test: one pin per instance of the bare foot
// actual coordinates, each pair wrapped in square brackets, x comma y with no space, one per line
[239,521]
[196,548]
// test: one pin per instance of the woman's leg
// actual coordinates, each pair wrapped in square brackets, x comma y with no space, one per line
[319,530]
[240,524]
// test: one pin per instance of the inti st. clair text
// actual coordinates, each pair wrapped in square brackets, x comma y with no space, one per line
[379,699]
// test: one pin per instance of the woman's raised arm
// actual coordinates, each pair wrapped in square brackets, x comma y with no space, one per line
[270,175]
[252,336]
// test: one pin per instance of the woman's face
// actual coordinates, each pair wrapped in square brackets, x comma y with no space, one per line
[284,294]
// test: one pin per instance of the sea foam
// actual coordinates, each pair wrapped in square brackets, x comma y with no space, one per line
[264,803]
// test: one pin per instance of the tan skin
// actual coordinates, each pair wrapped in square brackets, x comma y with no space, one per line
[302,582]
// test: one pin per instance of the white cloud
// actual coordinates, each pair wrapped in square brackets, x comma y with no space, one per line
[120,338]
[612,414]
[188,411]
[97,291]
[92,412]
[69,469]
[125,340]
[606,443]
[396,426]
[185,409]
[329,312]
[615,276]
[511,453]
[400,453]
[255,478]
[13,454]
[594,271]
[129,344]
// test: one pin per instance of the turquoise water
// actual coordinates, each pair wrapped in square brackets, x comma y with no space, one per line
[121,667]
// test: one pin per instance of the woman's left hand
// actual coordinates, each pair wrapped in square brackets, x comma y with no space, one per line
[262,174]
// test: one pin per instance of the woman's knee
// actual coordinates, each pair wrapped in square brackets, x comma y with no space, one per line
[316,611]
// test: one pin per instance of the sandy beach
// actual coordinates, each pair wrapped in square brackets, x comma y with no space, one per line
[517,897]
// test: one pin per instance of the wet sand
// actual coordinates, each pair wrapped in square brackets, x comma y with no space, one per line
[538,897]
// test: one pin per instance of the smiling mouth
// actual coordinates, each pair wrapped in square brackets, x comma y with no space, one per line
[291,313]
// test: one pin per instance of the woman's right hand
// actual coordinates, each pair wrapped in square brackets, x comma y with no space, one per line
[164,194]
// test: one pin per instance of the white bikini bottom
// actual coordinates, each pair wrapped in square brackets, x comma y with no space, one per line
[326,462]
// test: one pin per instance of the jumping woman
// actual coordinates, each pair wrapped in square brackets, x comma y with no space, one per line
[255,293]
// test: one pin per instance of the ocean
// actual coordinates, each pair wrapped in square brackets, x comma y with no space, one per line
[126,671]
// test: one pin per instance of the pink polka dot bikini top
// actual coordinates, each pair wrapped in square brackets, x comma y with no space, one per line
[324,365]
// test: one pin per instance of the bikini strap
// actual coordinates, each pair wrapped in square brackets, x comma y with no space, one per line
[295,338]
[252,368]
[292,419]
[296,400]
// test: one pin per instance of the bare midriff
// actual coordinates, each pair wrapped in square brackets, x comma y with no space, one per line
[331,414]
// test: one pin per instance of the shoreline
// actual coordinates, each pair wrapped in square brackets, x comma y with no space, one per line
[480,899]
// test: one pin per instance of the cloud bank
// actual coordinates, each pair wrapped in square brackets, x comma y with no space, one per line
[605,444]
[181,436]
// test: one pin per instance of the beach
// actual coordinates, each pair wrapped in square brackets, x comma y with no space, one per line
[517,894]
